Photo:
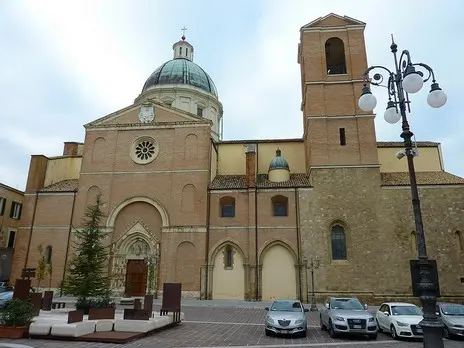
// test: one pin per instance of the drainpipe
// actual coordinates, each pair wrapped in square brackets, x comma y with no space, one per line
[256,225]
[67,243]
[298,240]
[32,227]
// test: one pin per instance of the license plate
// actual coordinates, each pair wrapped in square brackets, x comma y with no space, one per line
[357,327]
[419,330]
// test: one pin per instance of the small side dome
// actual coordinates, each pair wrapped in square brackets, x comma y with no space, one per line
[278,169]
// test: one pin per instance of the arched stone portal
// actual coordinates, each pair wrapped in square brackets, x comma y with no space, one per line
[135,246]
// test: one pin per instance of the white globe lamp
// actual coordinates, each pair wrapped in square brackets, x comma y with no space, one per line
[412,80]
[367,101]
[391,115]
[436,98]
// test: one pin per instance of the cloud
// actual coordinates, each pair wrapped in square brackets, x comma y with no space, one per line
[72,62]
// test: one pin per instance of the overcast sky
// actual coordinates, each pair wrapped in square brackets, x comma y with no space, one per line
[66,63]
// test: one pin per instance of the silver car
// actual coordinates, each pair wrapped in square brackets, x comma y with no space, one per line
[452,316]
[286,317]
[346,315]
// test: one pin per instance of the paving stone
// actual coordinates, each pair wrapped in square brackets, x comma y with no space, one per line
[234,326]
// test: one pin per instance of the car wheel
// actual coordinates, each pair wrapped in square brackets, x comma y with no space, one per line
[393,332]
[321,323]
[268,333]
[446,333]
[332,332]
[378,325]
[304,333]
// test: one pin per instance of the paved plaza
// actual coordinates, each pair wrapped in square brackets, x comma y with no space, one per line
[225,324]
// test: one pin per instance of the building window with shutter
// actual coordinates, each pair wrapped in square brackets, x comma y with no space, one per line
[15,212]
[2,205]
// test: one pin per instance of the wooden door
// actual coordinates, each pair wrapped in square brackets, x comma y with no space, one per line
[136,278]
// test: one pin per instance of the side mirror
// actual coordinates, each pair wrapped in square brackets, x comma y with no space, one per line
[437,314]
[266,308]
[306,310]
[327,306]
[386,313]
[365,306]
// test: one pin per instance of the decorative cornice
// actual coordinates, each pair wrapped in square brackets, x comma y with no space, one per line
[144,126]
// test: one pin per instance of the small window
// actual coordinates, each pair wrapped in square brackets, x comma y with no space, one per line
[15,212]
[460,240]
[228,257]
[338,243]
[342,136]
[227,205]
[280,206]
[2,205]
[180,51]
[462,279]
[48,256]
[199,111]
[11,239]
[413,241]
[186,52]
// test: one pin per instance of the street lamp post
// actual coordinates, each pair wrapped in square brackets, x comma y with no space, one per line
[313,265]
[402,80]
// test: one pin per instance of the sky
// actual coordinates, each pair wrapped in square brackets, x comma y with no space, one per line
[66,63]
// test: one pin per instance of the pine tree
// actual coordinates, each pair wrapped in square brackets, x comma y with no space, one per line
[87,277]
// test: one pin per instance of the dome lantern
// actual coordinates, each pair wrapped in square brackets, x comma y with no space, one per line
[183,49]
[278,168]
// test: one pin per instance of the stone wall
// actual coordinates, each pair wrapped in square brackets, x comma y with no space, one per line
[378,222]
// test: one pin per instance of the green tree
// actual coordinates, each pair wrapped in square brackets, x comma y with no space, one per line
[87,276]
[50,274]
[41,270]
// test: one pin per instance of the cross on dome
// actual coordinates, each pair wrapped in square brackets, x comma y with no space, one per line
[183,32]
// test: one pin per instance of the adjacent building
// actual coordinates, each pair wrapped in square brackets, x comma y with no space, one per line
[236,219]
[11,204]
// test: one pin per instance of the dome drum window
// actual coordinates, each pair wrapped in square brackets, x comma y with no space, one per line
[144,150]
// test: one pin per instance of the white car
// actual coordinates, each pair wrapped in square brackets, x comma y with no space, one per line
[400,319]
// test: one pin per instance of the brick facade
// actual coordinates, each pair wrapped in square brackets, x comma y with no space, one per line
[172,206]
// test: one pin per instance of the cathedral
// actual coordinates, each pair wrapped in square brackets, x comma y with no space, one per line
[248,219]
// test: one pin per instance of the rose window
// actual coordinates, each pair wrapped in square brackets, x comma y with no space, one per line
[144,150]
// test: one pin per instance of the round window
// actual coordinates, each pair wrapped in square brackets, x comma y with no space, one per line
[144,150]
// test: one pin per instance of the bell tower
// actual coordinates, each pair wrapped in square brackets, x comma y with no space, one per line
[332,58]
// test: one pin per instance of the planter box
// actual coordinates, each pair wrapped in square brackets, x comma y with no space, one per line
[14,332]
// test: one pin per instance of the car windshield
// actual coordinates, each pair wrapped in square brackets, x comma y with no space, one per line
[346,303]
[406,310]
[457,310]
[5,295]
[286,306]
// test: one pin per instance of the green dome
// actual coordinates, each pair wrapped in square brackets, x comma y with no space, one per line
[278,162]
[181,71]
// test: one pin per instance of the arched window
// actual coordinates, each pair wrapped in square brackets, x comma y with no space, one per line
[338,243]
[335,56]
[48,255]
[460,240]
[227,204]
[413,241]
[228,257]
[279,205]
